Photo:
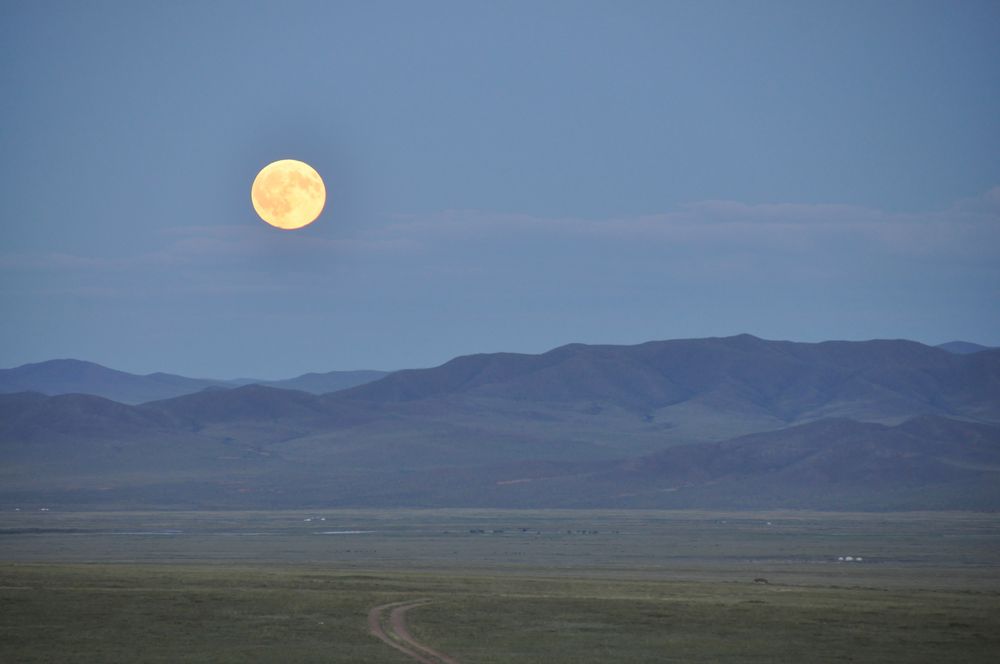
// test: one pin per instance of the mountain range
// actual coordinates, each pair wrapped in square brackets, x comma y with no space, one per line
[76,376]
[721,422]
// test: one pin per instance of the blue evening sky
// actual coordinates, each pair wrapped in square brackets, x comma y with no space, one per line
[503,176]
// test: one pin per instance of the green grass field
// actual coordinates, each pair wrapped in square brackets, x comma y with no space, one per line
[542,586]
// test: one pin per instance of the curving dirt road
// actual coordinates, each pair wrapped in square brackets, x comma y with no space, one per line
[388,623]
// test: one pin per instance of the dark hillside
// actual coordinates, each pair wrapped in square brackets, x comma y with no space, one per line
[782,381]
[251,402]
[826,464]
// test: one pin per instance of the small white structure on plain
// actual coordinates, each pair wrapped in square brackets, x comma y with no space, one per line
[849,558]
[840,559]
[307,520]
[858,559]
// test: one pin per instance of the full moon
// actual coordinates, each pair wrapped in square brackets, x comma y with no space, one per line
[288,194]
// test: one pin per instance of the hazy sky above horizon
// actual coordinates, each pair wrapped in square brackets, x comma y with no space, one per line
[502,176]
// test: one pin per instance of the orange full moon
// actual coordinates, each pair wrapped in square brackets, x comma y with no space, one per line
[288,194]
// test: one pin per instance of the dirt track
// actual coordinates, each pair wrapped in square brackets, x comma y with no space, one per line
[392,630]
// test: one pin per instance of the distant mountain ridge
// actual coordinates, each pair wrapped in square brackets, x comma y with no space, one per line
[724,422]
[69,376]
[963,347]
[322,383]
[775,381]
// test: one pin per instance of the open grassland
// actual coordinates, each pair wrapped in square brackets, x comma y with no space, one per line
[127,613]
[545,586]
[578,621]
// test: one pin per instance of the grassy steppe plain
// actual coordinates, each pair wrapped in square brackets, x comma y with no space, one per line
[508,586]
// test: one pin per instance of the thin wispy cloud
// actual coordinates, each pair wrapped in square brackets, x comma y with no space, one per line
[970,227]
[716,230]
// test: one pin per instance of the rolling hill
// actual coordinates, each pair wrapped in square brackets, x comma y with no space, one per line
[78,377]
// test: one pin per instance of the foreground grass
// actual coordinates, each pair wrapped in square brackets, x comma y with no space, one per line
[123,613]
[715,623]
[215,613]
